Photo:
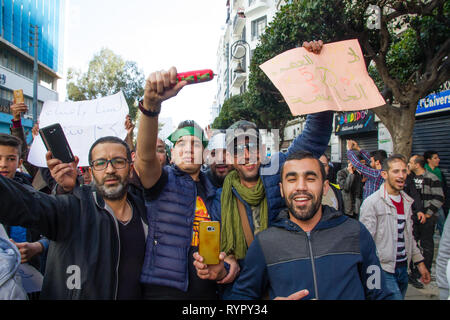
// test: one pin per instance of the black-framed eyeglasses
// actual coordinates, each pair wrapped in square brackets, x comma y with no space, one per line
[102,164]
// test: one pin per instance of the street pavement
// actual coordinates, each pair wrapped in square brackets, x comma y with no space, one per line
[431,290]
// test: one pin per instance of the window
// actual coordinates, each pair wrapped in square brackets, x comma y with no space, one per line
[258,27]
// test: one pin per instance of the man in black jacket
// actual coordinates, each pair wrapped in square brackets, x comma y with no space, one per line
[98,233]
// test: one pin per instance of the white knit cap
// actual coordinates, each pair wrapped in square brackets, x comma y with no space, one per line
[217,142]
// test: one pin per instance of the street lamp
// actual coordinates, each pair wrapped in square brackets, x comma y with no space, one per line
[234,54]
[34,36]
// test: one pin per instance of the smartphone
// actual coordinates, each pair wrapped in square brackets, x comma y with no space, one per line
[209,241]
[18,96]
[56,142]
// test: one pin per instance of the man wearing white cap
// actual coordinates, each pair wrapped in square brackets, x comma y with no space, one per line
[218,168]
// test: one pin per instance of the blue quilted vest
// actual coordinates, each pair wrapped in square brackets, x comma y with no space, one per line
[170,219]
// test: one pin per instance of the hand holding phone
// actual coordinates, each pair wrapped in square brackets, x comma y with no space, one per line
[209,241]
[56,142]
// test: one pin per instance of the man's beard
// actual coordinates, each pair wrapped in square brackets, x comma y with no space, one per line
[248,176]
[112,192]
[312,210]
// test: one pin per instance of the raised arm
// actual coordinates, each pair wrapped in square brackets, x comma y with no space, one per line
[160,86]
[129,126]
[18,132]
[316,135]
[363,169]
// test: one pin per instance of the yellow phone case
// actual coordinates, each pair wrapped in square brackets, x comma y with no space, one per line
[209,241]
[18,96]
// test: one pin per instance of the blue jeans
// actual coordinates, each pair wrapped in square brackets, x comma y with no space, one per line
[441,221]
[397,282]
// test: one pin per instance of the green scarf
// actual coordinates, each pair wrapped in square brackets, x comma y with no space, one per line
[232,234]
[436,171]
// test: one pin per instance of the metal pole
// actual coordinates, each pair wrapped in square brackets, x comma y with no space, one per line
[35,74]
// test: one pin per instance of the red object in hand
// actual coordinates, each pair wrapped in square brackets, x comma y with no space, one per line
[196,76]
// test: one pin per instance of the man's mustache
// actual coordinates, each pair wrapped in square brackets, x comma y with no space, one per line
[301,193]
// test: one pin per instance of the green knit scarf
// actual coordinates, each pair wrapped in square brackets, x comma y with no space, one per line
[232,233]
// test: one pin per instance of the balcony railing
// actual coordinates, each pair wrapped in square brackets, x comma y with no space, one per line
[253,5]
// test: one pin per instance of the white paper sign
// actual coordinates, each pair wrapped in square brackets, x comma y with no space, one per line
[83,122]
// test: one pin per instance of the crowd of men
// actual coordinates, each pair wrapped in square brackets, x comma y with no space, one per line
[127,226]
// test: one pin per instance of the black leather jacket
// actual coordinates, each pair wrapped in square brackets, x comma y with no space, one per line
[85,243]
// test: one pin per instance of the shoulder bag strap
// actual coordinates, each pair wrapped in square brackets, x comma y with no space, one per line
[245,224]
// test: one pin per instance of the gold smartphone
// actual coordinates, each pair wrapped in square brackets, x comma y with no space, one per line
[18,96]
[209,241]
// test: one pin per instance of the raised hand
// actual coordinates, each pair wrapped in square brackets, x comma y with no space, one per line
[313,46]
[35,129]
[129,125]
[65,174]
[17,109]
[160,86]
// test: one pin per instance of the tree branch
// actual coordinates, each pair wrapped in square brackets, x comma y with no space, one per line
[437,69]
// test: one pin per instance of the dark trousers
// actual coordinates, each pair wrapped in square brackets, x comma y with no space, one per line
[423,234]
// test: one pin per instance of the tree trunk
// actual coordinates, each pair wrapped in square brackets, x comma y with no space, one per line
[400,124]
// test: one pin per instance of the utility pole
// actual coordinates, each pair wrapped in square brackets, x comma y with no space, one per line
[34,35]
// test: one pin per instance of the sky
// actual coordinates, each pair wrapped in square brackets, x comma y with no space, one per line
[156,35]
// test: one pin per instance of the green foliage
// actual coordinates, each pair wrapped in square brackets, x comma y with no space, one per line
[107,74]
[234,109]
[413,62]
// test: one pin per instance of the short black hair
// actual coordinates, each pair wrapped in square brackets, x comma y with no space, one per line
[379,155]
[11,141]
[395,157]
[109,139]
[191,123]
[420,160]
[300,155]
[429,154]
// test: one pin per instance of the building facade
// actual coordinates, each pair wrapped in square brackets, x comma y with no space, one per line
[17,34]
[246,21]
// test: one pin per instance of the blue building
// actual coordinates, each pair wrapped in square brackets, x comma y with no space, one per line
[17,54]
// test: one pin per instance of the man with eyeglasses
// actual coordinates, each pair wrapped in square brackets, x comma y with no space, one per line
[97,232]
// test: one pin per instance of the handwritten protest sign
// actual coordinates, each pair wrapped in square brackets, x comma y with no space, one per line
[336,79]
[83,122]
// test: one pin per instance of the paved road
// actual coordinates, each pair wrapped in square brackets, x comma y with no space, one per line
[430,291]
